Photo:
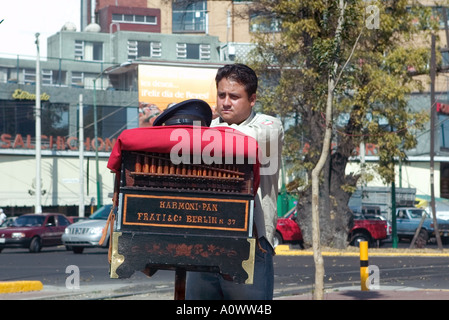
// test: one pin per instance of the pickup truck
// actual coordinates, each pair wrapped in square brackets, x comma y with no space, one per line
[408,219]
[373,231]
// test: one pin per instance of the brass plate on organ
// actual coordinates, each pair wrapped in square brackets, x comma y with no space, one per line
[167,210]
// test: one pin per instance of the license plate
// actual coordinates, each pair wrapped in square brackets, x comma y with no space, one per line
[2,240]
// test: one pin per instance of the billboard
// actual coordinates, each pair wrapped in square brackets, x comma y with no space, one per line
[163,85]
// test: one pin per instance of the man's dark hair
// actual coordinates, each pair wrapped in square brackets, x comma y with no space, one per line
[240,73]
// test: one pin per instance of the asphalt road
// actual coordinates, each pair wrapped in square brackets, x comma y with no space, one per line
[293,274]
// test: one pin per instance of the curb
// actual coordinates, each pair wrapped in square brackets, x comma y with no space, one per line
[20,286]
[284,250]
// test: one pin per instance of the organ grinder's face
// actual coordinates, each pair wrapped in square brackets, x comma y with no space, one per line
[233,104]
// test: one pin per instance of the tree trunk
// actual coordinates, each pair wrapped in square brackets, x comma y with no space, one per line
[316,172]
[316,239]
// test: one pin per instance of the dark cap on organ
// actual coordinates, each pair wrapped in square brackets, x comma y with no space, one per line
[186,113]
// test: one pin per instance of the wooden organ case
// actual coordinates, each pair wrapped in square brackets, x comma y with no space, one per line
[189,216]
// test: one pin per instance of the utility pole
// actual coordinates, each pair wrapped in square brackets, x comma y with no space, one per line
[38,206]
[393,211]
[99,201]
[81,156]
[432,139]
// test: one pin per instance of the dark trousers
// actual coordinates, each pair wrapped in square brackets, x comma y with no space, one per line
[212,286]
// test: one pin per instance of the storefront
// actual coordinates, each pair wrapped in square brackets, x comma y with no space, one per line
[61,162]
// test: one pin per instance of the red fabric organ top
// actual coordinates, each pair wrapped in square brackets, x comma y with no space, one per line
[209,143]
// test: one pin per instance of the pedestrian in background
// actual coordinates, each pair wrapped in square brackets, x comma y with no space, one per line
[2,216]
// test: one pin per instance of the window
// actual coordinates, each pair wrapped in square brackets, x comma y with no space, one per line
[264,23]
[90,51]
[77,79]
[29,76]
[204,51]
[134,18]
[47,77]
[79,50]
[438,15]
[17,117]
[137,49]
[53,77]
[193,51]
[156,49]
[189,16]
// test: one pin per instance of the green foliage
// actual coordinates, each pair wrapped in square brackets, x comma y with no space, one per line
[376,69]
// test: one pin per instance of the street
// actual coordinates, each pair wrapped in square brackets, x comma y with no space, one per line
[293,274]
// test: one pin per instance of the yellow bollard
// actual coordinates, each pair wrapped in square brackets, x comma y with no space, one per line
[364,265]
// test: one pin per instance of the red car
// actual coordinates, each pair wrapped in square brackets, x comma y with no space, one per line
[34,231]
[287,229]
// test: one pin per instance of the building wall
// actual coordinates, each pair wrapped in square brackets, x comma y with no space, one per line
[60,180]
[105,19]
[123,3]
[218,10]
[415,174]
[62,44]
[166,14]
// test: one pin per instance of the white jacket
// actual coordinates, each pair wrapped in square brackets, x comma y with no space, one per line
[269,133]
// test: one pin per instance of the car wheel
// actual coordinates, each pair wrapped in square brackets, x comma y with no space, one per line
[359,237]
[35,245]
[277,240]
[78,250]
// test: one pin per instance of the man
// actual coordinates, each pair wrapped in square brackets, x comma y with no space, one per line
[236,97]
[2,216]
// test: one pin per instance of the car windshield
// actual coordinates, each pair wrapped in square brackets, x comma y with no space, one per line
[29,221]
[416,213]
[358,216]
[102,213]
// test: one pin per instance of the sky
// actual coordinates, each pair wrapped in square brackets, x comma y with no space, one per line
[22,19]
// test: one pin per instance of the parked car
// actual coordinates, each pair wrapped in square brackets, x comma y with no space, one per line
[372,231]
[87,233]
[287,230]
[34,231]
[389,226]
[408,220]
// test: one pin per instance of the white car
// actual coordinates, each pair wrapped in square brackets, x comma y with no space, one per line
[87,233]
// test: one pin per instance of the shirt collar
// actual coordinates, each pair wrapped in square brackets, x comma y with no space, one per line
[246,121]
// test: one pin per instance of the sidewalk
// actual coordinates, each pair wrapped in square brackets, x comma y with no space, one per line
[94,292]
[384,293]
[112,292]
